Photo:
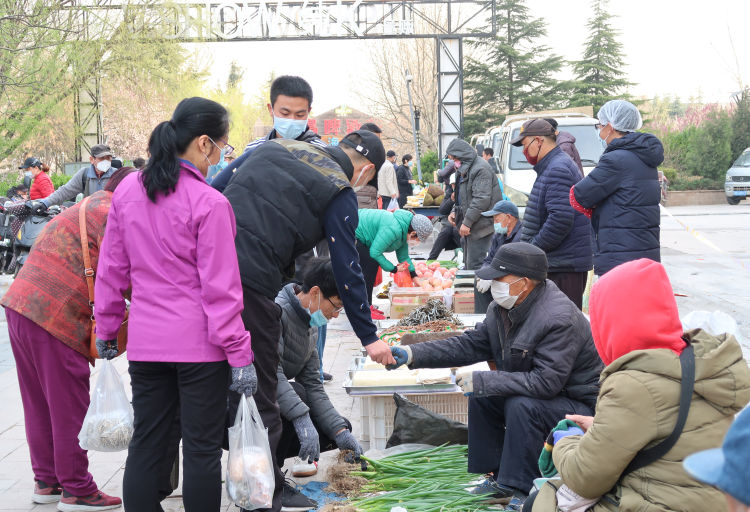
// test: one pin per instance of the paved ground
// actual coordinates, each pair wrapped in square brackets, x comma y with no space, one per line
[711,279]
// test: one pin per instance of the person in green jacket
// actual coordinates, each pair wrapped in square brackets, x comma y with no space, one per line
[381,231]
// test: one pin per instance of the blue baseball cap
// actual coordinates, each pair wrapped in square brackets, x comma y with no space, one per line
[726,467]
[503,206]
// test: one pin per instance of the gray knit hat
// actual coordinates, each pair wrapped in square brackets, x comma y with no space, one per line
[422,226]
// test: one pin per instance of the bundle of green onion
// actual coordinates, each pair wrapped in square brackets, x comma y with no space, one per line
[420,481]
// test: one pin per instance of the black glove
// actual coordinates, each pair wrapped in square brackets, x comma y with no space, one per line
[107,348]
[413,274]
[36,207]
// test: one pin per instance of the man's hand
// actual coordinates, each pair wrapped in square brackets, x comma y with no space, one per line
[466,382]
[452,218]
[464,230]
[394,196]
[584,422]
[309,441]
[380,352]
[483,285]
[107,348]
[402,356]
[346,441]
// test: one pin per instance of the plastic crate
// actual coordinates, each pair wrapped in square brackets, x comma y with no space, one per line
[377,412]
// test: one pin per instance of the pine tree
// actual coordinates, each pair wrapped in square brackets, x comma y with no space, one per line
[514,73]
[599,75]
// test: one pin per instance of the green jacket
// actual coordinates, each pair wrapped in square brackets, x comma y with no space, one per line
[383,231]
[637,407]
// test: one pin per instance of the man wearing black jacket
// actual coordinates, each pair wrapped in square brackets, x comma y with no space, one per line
[547,367]
[291,102]
[288,196]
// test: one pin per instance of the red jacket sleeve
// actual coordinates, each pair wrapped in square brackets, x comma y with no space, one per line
[577,207]
[42,187]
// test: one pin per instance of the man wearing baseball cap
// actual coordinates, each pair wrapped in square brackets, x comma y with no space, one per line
[507,230]
[288,196]
[547,366]
[89,179]
[726,468]
[549,221]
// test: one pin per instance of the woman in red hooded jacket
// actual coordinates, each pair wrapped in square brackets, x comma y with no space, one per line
[638,334]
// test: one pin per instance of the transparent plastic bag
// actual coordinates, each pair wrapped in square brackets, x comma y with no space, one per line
[714,322]
[392,206]
[250,478]
[108,425]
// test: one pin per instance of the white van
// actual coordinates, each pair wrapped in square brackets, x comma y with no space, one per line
[516,171]
[737,184]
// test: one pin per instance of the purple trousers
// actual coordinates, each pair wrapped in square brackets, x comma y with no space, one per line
[54,382]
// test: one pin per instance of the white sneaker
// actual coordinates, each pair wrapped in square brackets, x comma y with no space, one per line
[303,469]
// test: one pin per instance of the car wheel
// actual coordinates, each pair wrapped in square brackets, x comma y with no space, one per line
[733,200]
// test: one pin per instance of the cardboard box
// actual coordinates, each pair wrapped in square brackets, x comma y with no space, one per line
[463,301]
[406,300]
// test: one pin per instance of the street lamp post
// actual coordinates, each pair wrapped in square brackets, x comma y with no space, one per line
[414,127]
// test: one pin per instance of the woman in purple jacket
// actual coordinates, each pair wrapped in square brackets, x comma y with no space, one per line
[171,237]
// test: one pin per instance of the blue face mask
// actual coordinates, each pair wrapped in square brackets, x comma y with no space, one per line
[289,128]
[214,169]
[500,230]
[317,319]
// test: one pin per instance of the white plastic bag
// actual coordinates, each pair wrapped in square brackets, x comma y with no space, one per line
[108,425]
[715,323]
[250,479]
[393,205]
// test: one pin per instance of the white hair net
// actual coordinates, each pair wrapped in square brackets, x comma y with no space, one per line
[621,114]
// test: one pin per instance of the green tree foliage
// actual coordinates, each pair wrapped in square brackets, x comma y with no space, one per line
[513,72]
[51,48]
[599,75]
[700,154]
[430,163]
[741,123]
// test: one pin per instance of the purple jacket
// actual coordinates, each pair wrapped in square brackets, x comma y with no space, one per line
[179,256]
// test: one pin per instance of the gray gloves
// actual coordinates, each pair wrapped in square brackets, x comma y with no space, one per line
[346,441]
[309,442]
[244,380]
[107,348]
[402,355]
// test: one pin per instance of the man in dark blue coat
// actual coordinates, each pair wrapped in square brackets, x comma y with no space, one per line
[550,222]
[507,230]
[622,193]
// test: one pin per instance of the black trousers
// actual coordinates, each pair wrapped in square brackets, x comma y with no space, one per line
[369,268]
[482,302]
[447,239]
[199,391]
[386,201]
[262,317]
[572,284]
[289,444]
[507,434]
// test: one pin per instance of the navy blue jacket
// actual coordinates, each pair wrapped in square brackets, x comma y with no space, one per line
[551,223]
[499,240]
[623,191]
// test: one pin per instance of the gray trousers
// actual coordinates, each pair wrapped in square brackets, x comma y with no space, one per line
[475,250]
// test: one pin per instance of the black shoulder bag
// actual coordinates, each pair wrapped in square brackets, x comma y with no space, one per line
[650,455]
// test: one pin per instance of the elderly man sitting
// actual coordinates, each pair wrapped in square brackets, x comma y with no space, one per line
[547,365]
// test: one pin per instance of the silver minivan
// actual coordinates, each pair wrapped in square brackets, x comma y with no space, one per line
[737,184]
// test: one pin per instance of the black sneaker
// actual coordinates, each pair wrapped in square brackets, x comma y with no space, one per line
[327,377]
[294,501]
[491,487]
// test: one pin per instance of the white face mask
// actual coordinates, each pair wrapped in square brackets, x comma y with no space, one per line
[357,187]
[103,166]
[501,294]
